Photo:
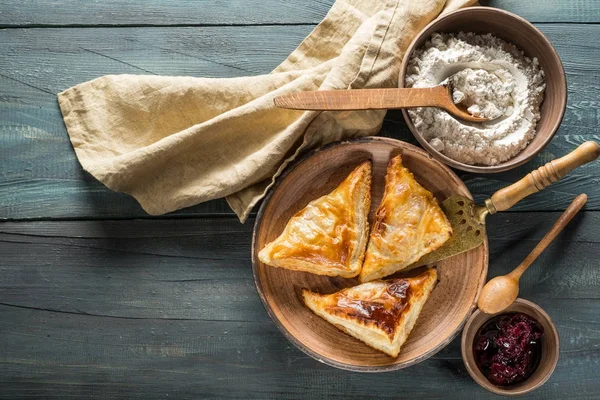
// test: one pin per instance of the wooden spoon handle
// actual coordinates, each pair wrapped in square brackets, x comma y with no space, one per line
[363,99]
[543,177]
[558,226]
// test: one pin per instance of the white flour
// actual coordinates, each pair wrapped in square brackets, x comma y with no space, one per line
[490,77]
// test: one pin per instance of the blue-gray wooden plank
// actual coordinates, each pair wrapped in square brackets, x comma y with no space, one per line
[15,13]
[144,308]
[150,308]
[41,178]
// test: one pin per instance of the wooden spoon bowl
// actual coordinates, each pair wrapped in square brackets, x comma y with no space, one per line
[460,277]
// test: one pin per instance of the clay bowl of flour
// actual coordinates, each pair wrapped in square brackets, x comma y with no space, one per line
[449,141]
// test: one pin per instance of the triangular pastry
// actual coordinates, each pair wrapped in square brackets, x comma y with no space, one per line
[408,224]
[329,235]
[379,313]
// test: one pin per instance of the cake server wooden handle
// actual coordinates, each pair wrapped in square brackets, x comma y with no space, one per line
[364,99]
[543,177]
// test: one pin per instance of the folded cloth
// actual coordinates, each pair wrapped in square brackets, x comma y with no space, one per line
[172,142]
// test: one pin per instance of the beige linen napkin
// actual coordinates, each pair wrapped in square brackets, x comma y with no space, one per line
[172,142]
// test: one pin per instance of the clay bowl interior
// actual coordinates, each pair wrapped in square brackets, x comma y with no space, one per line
[525,36]
[461,277]
[550,349]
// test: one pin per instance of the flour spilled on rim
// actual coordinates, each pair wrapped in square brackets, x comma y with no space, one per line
[491,78]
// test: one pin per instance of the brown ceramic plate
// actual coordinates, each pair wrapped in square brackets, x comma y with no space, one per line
[461,277]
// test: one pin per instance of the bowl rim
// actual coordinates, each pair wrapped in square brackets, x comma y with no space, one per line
[289,336]
[511,163]
[489,386]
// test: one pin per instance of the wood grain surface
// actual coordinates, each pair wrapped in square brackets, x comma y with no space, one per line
[98,300]
[42,179]
[17,13]
[141,309]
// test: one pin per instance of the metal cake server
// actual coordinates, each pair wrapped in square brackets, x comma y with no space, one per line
[468,218]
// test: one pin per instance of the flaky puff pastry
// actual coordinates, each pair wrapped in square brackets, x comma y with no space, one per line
[379,313]
[329,235]
[408,224]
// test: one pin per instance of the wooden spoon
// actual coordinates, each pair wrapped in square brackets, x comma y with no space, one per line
[376,99]
[501,292]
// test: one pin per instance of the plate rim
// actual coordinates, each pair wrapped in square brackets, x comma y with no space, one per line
[290,337]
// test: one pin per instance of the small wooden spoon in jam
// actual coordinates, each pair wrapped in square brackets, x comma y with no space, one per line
[501,292]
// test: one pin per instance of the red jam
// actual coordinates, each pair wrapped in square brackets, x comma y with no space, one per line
[507,348]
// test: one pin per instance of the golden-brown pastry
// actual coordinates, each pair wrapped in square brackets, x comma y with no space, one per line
[329,235]
[408,224]
[379,313]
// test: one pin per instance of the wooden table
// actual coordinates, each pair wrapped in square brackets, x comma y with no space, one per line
[99,300]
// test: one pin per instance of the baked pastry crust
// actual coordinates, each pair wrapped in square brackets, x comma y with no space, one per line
[379,313]
[408,224]
[329,235]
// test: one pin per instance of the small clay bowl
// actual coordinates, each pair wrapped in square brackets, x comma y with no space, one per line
[549,356]
[526,37]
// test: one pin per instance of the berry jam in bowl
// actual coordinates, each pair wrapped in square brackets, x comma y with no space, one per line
[513,352]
